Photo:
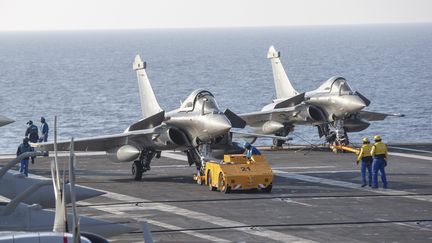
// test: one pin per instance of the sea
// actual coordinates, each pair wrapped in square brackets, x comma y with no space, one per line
[85,78]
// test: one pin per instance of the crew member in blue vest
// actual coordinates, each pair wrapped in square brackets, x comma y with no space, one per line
[250,150]
[22,148]
[44,130]
[379,154]
[365,157]
[32,134]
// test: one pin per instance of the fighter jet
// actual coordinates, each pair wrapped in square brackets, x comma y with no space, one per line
[333,107]
[4,121]
[13,183]
[192,128]
[35,223]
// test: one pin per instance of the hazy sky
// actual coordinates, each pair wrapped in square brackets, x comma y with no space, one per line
[137,14]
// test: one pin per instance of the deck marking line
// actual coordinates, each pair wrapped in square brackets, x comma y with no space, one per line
[174,155]
[189,232]
[119,211]
[414,156]
[302,167]
[289,200]
[274,235]
[322,171]
[409,149]
[406,225]
[350,185]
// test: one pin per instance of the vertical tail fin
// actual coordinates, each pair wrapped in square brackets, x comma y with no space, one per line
[75,228]
[283,86]
[60,219]
[149,104]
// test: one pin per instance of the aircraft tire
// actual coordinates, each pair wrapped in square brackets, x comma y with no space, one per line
[137,170]
[278,142]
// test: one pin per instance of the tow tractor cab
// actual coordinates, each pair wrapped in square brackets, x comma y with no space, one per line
[237,172]
[336,97]
[209,122]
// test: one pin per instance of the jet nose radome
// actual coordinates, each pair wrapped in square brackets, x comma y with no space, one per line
[218,125]
[356,103]
[5,120]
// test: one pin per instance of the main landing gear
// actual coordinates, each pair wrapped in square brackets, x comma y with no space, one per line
[277,143]
[143,163]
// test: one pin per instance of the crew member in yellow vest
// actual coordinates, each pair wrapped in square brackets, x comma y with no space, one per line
[379,154]
[365,157]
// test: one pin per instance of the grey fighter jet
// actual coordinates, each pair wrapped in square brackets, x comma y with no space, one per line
[38,225]
[192,128]
[333,107]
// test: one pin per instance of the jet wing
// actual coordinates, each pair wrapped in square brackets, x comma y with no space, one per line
[283,114]
[244,134]
[376,116]
[103,143]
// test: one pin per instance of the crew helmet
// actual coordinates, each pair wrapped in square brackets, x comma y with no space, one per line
[366,140]
[377,138]
[246,145]
[26,140]
[42,119]
[30,122]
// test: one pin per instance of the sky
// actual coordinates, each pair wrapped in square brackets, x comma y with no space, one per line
[35,15]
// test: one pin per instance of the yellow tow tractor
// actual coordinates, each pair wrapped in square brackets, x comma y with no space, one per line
[236,172]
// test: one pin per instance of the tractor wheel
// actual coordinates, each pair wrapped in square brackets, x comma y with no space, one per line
[268,188]
[209,182]
[222,184]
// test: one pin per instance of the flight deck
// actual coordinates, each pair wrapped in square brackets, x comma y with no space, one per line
[316,197]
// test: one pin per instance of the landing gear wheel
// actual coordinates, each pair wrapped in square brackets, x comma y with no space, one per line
[222,185]
[278,142]
[268,188]
[209,182]
[137,170]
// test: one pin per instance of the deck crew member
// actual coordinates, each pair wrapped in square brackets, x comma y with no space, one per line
[32,134]
[365,157]
[23,148]
[44,130]
[251,150]
[379,154]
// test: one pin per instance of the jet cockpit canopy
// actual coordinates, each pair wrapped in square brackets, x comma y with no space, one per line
[336,85]
[203,100]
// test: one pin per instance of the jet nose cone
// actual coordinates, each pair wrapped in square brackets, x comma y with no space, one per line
[219,125]
[4,120]
[356,104]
